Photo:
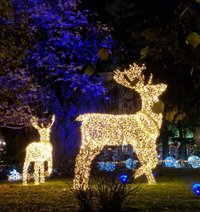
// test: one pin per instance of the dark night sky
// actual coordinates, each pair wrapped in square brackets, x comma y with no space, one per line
[162,8]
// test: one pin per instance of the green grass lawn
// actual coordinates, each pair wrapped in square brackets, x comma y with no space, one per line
[171,193]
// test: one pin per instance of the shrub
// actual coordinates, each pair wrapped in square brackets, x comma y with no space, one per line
[112,193]
[85,199]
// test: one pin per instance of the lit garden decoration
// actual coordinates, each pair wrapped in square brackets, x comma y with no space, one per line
[14,175]
[194,161]
[196,188]
[139,130]
[39,152]
[109,166]
[130,163]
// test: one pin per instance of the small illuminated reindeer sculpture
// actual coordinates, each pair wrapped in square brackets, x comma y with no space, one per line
[39,152]
[139,130]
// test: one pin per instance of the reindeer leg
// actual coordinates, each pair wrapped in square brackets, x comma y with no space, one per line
[36,173]
[49,166]
[147,166]
[151,164]
[148,172]
[42,174]
[83,167]
[140,170]
[25,170]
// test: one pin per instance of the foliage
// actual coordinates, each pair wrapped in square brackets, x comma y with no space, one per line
[169,48]
[193,39]
[174,115]
[17,89]
[56,41]
[67,40]
[85,199]
[18,94]
[14,36]
[105,191]
[113,194]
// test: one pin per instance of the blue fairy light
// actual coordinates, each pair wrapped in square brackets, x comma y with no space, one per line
[102,166]
[14,175]
[196,188]
[110,167]
[130,163]
[123,178]
[194,161]
[177,164]
[170,162]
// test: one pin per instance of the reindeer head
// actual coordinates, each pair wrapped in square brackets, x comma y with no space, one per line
[44,131]
[134,78]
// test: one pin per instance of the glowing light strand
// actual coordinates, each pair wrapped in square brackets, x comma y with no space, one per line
[39,152]
[139,130]
[194,161]
[14,175]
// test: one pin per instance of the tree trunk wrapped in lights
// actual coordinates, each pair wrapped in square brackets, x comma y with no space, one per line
[139,130]
[39,152]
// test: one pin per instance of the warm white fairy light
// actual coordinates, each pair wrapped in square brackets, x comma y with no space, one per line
[39,152]
[139,130]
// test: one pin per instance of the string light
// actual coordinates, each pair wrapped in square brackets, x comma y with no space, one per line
[170,161]
[39,152]
[139,130]
[130,163]
[14,175]
[109,166]
[123,178]
[178,164]
[194,161]
[196,188]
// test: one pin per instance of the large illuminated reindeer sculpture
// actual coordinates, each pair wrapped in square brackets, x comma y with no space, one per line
[39,152]
[139,130]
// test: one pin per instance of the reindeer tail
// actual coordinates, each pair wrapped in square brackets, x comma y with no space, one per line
[80,118]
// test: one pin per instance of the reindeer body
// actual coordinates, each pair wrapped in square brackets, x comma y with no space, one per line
[126,127]
[39,152]
[139,130]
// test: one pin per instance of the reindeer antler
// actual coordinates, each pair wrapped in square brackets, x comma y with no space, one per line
[130,77]
[52,121]
[34,122]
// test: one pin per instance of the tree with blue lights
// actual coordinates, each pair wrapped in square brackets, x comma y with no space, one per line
[17,87]
[55,71]
[47,44]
